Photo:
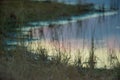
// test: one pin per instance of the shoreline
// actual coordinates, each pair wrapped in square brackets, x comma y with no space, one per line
[26,11]
[66,21]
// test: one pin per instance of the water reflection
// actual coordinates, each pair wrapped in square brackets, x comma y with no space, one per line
[76,36]
[113,4]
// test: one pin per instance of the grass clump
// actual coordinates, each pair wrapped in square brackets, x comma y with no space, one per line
[24,65]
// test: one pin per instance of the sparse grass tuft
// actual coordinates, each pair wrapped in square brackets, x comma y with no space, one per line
[24,65]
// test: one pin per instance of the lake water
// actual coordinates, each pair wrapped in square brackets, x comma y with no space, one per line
[96,2]
[74,35]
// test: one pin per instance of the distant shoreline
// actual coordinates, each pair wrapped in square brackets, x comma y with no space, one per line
[66,21]
[27,11]
[34,11]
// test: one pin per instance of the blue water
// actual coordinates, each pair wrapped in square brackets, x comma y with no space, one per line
[98,3]
[106,26]
[77,28]
[76,32]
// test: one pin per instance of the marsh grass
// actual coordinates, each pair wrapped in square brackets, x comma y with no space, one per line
[117,71]
[24,65]
[114,64]
[21,64]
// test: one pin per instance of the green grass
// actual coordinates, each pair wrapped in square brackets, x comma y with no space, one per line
[37,11]
[20,64]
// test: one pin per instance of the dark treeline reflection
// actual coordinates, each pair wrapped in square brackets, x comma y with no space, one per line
[114,4]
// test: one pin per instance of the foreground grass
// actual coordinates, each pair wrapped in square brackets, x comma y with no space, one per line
[19,64]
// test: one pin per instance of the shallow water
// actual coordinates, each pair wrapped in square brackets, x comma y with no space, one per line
[74,35]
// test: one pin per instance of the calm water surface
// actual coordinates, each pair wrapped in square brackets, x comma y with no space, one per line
[76,36]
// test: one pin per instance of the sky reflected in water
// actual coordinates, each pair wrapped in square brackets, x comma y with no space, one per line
[76,36]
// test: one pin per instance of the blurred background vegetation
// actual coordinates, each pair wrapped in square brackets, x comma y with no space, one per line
[21,64]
